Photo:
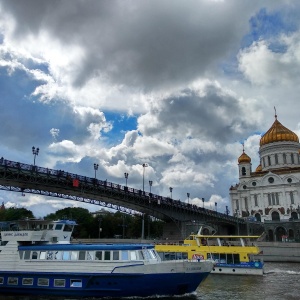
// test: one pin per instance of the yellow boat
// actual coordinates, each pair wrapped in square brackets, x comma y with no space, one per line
[232,254]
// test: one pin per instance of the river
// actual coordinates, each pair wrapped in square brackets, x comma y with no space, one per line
[281,282]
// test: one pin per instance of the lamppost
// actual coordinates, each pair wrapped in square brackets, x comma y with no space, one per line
[35,152]
[227,210]
[203,202]
[143,227]
[188,195]
[150,184]
[171,189]
[144,166]
[126,177]
[96,168]
[216,206]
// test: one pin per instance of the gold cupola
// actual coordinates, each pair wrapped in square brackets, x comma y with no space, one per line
[278,133]
[259,168]
[244,158]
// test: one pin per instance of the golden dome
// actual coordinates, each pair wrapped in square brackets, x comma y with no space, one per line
[244,158]
[258,169]
[278,133]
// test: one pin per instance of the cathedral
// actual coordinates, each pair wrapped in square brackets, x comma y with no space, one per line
[271,192]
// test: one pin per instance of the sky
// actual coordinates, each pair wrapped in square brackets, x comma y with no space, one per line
[177,85]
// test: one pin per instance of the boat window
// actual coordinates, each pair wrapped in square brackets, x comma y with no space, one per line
[50,226]
[58,255]
[76,283]
[27,255]
[27,281]
[229,258]
[49,255]
[170,256]
[21,254]
[236,258]
[68,228]
[116,255]
[106,255]
[43,255]
[66,255]
[43,282]
[12,280]
[124,255]
[59,282]
[132,255]
[153,254]
[74,255]
[45,226]
[98,255]
[223,258]
[215,257]
[34,255]
[90,255]
[81,255]
[142,255]
[58,226]
[1,280]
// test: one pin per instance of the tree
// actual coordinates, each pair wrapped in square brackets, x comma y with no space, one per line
[13,214]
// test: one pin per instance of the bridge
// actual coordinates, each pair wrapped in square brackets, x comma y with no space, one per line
[180,218]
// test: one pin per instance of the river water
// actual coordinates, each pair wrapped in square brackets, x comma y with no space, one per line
[281,282]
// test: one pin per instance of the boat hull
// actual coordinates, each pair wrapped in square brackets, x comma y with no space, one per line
[103,285]
[251,268]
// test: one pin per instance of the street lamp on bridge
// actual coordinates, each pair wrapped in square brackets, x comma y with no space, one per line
[144,166]
[35,152]
[96,168]
[188,195]
[203,202]
[171,190]
[150,184]
[126,178]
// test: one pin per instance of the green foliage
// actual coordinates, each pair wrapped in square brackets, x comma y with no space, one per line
[13,214]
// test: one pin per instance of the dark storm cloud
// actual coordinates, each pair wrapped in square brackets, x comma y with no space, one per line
[213,115]
[141,44]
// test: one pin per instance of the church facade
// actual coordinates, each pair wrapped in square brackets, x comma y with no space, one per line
[271,193]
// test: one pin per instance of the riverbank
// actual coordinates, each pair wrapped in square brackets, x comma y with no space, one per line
[279,251]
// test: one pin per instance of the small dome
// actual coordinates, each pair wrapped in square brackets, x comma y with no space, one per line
[278,133]
[244,158]
[258,169]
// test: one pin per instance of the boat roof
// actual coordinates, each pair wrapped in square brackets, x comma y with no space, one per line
[226,236]
[85,247]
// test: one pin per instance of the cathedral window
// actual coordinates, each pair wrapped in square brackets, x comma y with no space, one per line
[237,205]
[243,171]
[276,159]
[263,162]
[273,199]
[292,198]
[284,158]
[292,158]
[255,200]
[269,160]
[246,203]
[269,199]
[277,198]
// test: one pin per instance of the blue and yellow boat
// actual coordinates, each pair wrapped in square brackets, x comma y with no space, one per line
[232,254]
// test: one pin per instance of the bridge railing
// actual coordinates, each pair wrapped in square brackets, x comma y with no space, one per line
[106,184]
